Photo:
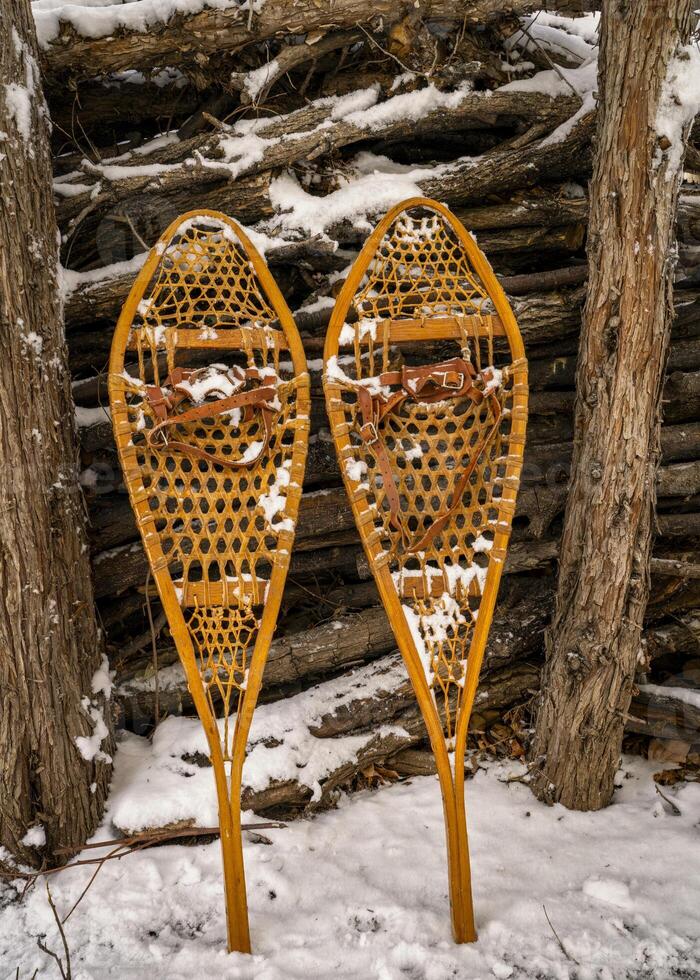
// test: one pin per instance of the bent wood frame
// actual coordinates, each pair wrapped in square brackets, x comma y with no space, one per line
[397,329]
[228,787]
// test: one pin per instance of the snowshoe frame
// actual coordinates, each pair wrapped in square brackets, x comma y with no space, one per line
[213,459]
[447,441]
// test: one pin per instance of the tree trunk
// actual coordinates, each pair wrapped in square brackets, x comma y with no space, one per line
[53,727]
[603,587]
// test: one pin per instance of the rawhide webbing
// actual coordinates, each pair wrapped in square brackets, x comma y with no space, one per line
[177,388]
[429,383]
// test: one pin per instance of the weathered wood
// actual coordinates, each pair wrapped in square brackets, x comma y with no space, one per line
[347,640]
[674,568]
[214,31]
[255,85]
[316,129]
[664,713]
[506,170]
[105,108]
[603,586]
[49,640]
[549,208]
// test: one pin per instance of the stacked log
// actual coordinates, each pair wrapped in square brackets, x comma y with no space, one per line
[311,93]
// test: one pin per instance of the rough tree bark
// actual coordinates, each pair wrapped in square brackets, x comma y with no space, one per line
[594,640]
[50,648]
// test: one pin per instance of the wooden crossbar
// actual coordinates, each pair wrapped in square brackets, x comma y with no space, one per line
[437,328]
[416,586]
[214,593]
[227,338]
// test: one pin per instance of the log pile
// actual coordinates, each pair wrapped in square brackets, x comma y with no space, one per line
[262,114]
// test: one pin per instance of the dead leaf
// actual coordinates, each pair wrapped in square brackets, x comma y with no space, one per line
[668,750]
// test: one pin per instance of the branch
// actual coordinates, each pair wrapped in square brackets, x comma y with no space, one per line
[140,36]
[256,147]
[254,85]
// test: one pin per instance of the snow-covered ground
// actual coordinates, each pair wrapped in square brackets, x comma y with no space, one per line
[361,893]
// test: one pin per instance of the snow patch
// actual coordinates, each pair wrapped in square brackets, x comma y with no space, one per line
[608,890]
[679,103]
[90,746]
[35,836]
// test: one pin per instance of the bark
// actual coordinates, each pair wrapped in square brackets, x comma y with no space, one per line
[603,587]
[49,641]
[664,715]
[208,160]
[197,37]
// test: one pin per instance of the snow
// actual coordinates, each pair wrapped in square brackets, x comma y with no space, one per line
[101,18]
[214,381]
[85,417]
[560,35]
[256,80]
[360,893]
[274,502]
[574,38]
[242,152]
[162,787]
[320,303]
[482,544]
[684,694]
[356,469]
[101,682]
[71,280]
[252,451]
[407,107]
[90,746]
[19,97]
[582,80]
[679,103]
[35,836]
[354,200]
[19,105]
[31,340]
[608,890]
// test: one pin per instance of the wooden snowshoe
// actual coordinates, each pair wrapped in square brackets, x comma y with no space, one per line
[210,406]
[430,449]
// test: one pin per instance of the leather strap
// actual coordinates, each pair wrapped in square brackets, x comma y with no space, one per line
[165,407]
[429,383]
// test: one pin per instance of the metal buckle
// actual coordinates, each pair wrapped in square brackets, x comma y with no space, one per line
[374,435]
[455,385]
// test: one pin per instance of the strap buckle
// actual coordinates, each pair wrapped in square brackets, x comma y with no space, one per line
[457,382]
[373,436]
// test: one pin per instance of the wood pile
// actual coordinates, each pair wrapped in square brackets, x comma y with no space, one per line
[304,120]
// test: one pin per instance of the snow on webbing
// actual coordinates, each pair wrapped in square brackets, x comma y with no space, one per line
[360,893]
